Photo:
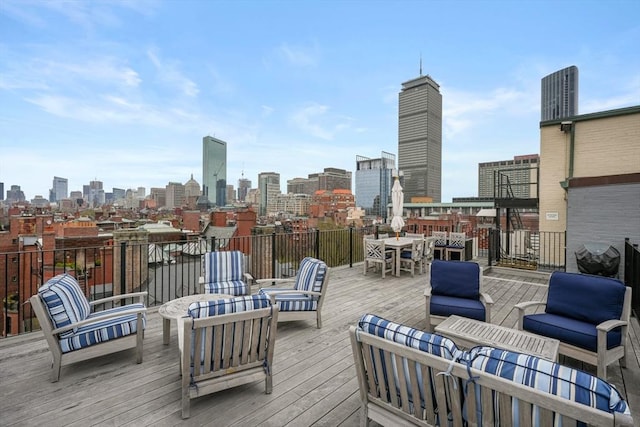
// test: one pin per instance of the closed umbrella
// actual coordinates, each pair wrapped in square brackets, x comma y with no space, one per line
[396,207]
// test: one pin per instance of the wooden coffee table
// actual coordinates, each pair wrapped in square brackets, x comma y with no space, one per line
[177,308]
[469,332]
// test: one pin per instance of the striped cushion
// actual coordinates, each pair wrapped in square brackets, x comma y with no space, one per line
[235,287]
[65,302]
[547,376]
[430,343]
[202,309]
[310,275]
[105,330]
[222,266]
[292,302]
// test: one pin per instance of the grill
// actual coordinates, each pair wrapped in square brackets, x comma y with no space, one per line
[598,258]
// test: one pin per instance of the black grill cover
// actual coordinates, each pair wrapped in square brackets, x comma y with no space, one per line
[598,258]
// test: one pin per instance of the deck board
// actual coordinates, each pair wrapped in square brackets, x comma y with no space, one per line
[314,382]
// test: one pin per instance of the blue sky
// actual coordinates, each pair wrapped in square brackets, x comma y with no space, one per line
[124,91]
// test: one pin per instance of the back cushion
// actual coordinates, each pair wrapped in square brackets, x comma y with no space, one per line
[568,383]
[222,266]
[592,299]
[458,279]
[310,275]
[202,309]
[414,338]
[64,300]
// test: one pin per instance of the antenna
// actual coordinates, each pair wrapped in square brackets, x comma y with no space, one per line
[420,64]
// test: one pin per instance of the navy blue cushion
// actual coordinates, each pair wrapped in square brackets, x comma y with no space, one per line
[445,306]
[456,279]
[570,331]
[584,297]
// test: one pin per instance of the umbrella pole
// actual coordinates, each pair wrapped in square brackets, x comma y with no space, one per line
[397,235]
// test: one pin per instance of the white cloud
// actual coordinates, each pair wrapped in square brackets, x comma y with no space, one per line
[315,121]
[298,55]
[169,73]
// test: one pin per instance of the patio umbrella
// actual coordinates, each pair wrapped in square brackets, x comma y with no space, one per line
[396,207]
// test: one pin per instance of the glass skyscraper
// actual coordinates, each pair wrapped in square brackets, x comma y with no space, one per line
[214,170]
[420,138]
[559,94]
[373,183]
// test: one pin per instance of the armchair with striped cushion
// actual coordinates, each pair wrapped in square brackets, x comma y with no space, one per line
[76,332]
[223,273]
[304,300]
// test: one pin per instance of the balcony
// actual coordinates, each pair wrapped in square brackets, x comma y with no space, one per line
[314,379]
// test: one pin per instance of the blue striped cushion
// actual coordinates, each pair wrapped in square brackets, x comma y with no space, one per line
[236,287]
[568,383]
[414,338]
[310,275]
[203,309]
[222,266]
[65,301]
[105,330]
[292,302]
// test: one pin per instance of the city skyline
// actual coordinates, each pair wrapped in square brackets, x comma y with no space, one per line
[124,92]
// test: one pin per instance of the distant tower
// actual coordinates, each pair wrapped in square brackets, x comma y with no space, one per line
[559,94]
[214,170]
[244,185]
[59,190]
[420,138]
[373,183]
[269,185]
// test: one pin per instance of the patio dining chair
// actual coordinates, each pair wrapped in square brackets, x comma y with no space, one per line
[304,300]
[75,331]
[223,273]
[375,255]
[439,245]
[456,246]
[412,258]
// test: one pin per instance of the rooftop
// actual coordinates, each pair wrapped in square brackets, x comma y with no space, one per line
[314,380]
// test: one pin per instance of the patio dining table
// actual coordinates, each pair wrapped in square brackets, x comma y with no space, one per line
[398,243]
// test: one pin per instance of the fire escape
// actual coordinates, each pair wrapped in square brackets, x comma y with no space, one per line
[518,246]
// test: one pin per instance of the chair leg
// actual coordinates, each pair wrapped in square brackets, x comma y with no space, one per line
[319,320]
[55,368]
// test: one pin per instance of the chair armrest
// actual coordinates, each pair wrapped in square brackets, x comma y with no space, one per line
[608,325]
[248,278]
[141,296]
[294,291]
[486,298]
[84,322]
[427,292]
[523,306]
[201,280]
[275,281]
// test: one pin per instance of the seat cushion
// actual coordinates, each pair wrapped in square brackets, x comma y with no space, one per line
[447,306]
[571,331]
[310,276]
[203,309]
[232,287]
[103,330]
[429,343]
[546,376]
[292,301]
[222,266]
[65,302]
[584,297]
[455,278]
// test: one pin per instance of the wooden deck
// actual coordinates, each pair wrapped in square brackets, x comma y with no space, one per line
[314,379]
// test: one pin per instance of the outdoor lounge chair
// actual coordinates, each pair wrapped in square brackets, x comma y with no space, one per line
[223,273]
[304,300]
[455,287]
[226,343]
[588,314]
[75,332]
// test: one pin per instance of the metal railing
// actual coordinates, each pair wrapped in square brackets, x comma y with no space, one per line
[172,269]
[632,273]
[525,249]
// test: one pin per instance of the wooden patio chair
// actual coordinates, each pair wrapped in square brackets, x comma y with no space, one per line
[75,331]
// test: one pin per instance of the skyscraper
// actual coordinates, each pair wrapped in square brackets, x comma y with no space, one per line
[420,138]
[373,183]
[214,170]
[559,94]
[244,185]
[269,186]
[59,190]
